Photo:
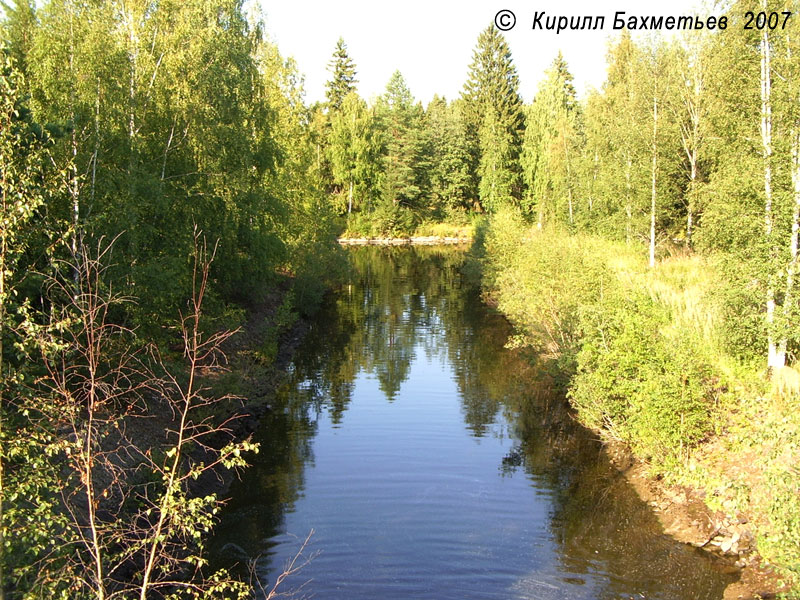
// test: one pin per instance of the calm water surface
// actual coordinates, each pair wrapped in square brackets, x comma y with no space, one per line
[431,462]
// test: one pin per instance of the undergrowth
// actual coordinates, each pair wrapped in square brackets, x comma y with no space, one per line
[647,353]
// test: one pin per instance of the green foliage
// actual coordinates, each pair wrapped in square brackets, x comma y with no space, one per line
[542,280]
[551,147]
[782,542]
[175,115]
[638,385]
[404,158]
[36,536]
[29,477]
[343,71]
[493,115]
[141,123]
[352,151]
[281,321]
[312,256]
[496,167]
[450,175]
[19,26]
[651,365]
[630,376]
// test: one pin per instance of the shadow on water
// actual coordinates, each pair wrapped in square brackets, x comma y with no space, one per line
[433,462]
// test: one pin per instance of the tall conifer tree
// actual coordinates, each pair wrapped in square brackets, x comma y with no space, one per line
[404,167]
[493,112]
[343,80]
[450,159]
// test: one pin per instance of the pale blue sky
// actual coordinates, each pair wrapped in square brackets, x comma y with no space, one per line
[431,42]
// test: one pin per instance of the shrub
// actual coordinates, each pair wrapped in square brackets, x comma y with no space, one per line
[638,385]
[542,281]
[585,303]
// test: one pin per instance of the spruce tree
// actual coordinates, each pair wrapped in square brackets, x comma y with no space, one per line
[450,159]
[344,76]
[493,111]
[405,146]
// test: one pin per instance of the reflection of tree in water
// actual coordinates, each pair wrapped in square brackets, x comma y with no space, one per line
[370,325]
[416,298]
[598,520]
[396,304]
[271,484]
[398,300]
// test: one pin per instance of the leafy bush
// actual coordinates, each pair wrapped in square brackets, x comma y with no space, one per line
[542,280]
[638,385]
[587,304]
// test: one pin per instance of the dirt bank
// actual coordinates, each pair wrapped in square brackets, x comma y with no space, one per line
[247,383]
[685,517]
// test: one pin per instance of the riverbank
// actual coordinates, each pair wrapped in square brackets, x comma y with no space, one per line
[409,241]
[686,517]
[255,362]
[258,359]
[425,234]
[712,446]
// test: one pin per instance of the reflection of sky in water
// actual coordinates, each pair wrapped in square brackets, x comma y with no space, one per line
[390,475]
[435,493]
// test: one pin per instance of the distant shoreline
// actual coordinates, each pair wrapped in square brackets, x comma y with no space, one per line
[407,241]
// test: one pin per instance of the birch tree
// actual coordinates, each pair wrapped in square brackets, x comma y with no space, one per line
[352,151]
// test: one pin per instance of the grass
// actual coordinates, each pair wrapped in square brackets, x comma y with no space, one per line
[445,230]
[749,468]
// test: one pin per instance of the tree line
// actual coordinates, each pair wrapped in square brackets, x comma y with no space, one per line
[690,143]
[157,179]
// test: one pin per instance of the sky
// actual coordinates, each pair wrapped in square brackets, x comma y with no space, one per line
[431,42]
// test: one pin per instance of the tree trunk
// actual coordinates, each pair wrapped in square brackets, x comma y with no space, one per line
[594,180]
[3,254]
[96,152]
[791,274]
[74,190]
[776,353]
[692,194]
[350,199]
[133,62]
[569,172]
[653,190]
[628,207]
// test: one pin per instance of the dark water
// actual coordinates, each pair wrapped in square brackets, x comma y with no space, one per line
[433,463]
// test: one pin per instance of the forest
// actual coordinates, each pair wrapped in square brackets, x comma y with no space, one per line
[162,177]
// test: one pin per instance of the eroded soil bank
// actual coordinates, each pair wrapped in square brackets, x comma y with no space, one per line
[685,517]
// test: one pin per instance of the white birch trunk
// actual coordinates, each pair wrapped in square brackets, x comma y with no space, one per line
[350,199]
[776,357]
[628,206]
[653,186]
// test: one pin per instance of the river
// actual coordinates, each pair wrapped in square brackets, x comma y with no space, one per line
[432,462]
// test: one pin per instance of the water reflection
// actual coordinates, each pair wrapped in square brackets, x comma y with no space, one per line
[434,463]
